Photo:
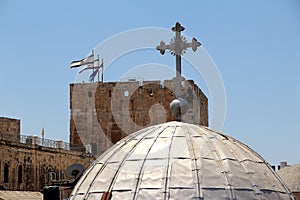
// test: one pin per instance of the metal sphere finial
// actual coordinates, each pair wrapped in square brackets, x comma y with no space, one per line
[178,107]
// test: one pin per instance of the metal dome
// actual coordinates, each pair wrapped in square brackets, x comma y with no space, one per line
[176,160]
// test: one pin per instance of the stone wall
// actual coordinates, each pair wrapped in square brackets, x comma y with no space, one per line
[9,129]
[31,167]
[104,113]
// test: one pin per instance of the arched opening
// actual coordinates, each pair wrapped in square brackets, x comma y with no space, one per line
[6,171]
[20,174]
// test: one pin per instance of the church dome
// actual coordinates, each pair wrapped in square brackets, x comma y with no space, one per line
[176,160]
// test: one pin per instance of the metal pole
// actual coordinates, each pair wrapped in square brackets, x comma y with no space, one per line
[178,64]
[93,64]
[178,76]
[102,75]
[99,67]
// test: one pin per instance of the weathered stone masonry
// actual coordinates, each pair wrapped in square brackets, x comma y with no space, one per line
[30,166]
[103,113]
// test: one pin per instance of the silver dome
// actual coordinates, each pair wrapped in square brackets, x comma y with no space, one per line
[176,160]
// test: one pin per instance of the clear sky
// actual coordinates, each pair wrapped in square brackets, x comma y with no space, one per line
[254,44]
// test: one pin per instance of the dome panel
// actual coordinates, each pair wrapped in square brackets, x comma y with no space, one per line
[246,194]
[176,160]
[179,132]
[142,148]
[152,178]
[243,152]
[236,174]
[120,153]
[118,195]
[160,149]
[89,175]
[148,194]
[271,195]
[179,148]
[95,196]
[210,173]
[175,193]
[102,181]
[80,197]
[143,133]
[181,175]
[261,176]
[212,193]
[126,177]
[168,132]
[223,153]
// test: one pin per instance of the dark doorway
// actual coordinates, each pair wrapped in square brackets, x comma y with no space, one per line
[20,174]
[6,171]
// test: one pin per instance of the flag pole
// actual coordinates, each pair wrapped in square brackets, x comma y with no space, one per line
[99,67]
[102,71]
[43,135]
[93,62]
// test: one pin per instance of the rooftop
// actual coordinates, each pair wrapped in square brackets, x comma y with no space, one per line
[291,176]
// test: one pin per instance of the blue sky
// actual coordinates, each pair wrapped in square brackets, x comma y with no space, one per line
[254,44]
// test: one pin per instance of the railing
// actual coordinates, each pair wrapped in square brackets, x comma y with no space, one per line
[35,140]
[44,142]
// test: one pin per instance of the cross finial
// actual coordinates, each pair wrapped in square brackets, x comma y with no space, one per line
[178,46]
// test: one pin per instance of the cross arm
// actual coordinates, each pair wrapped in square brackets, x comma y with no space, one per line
[163,47]
[194,44]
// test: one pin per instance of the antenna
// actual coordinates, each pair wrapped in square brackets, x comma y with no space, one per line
[74,171]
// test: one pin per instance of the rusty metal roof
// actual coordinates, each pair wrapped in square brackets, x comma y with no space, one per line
[176,160]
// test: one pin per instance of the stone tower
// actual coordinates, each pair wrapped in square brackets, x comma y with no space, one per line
[102,113]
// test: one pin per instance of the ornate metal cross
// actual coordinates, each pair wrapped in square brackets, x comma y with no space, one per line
[178,46]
